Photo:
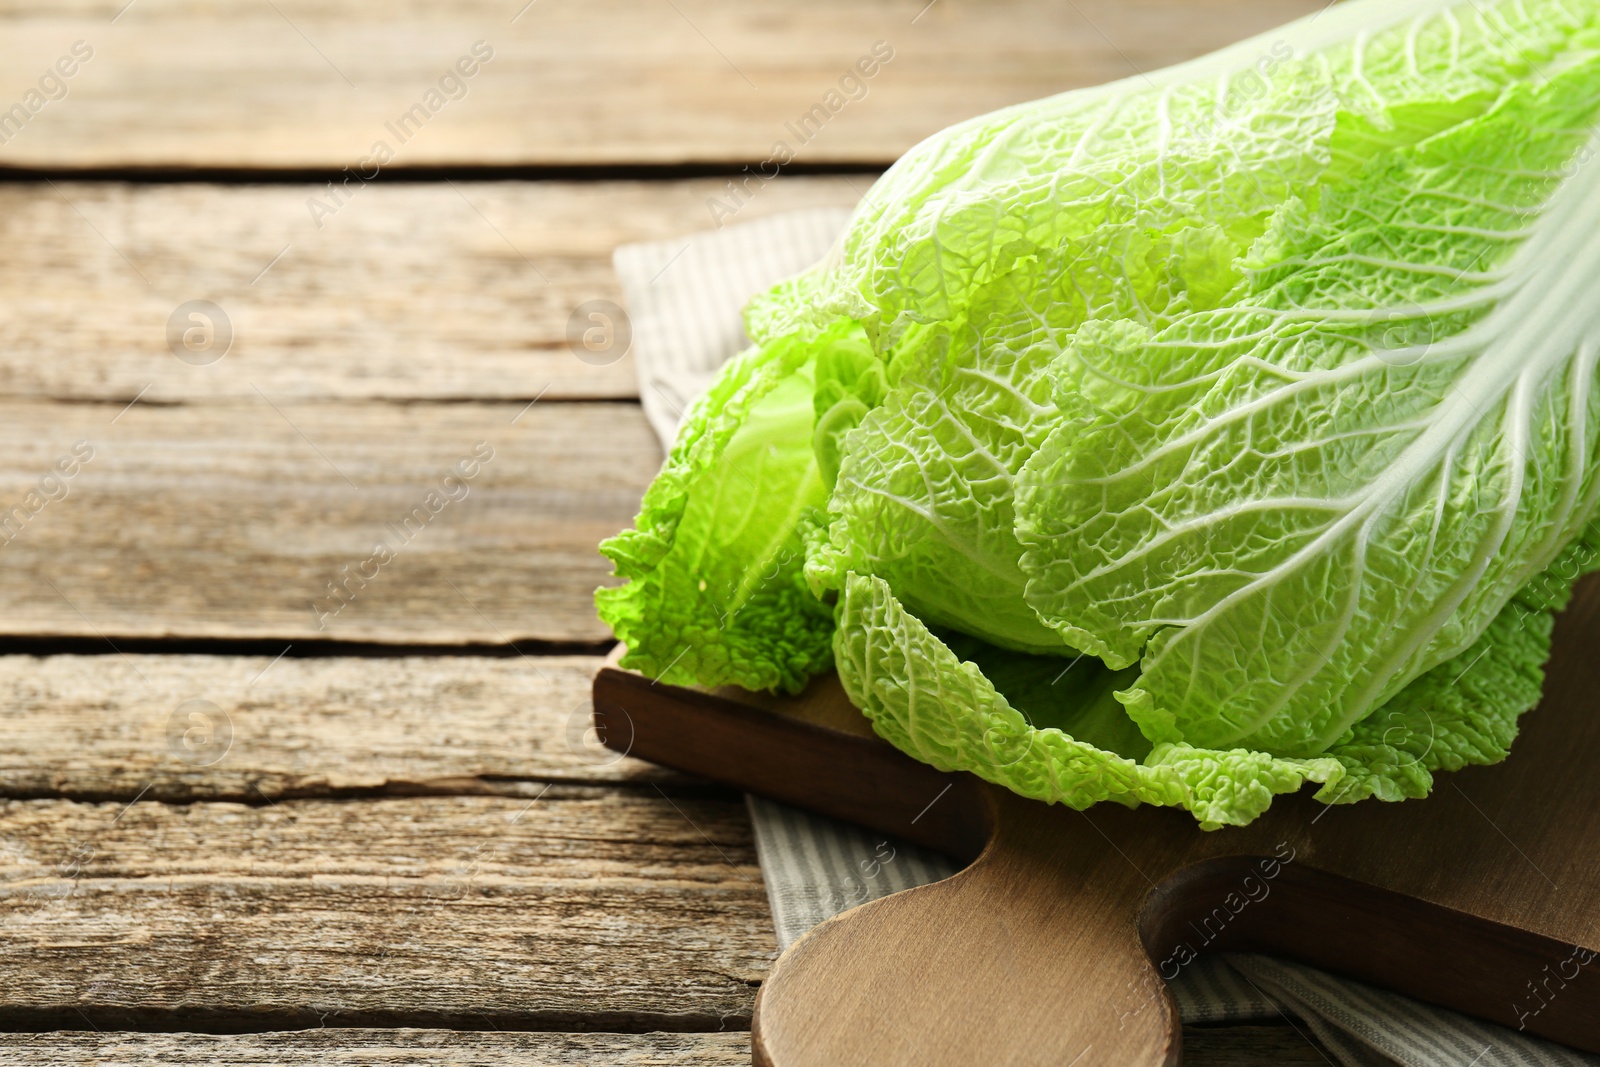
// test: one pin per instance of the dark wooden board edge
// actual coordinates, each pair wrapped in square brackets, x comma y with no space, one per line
[1386,939]
[857,779]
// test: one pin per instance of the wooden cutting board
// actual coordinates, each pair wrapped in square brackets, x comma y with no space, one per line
[1050,948]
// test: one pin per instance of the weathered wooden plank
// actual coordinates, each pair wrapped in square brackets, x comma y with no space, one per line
[306,83]
[105,727]
[95,725]
[587,908]
[1241,1046]
[348,1047]
[412,291]
[237,520]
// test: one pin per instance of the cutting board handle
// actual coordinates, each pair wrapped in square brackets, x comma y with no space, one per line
[1038,924]
[1054,945]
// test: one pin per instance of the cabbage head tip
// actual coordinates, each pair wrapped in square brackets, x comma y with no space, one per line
[1177,441]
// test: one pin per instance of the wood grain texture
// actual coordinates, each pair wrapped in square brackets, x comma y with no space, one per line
[1234,1046]
[232,519]
[98,725]
[185,83]
[585,908]
[350,1047]
[411,292]
[103,727]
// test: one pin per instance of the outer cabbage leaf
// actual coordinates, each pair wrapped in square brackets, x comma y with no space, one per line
[714,592]
[1465,710]
[1293,505]
[945,711]
[954,702]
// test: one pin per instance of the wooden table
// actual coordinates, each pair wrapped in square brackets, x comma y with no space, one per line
[246,822]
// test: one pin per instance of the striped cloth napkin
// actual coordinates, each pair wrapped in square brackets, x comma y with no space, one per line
[684,298]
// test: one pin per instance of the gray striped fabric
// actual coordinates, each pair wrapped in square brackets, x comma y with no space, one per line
[816,867]
[1386,1028]
[684,298]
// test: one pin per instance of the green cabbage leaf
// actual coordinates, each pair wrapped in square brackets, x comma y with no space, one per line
[1182,440]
